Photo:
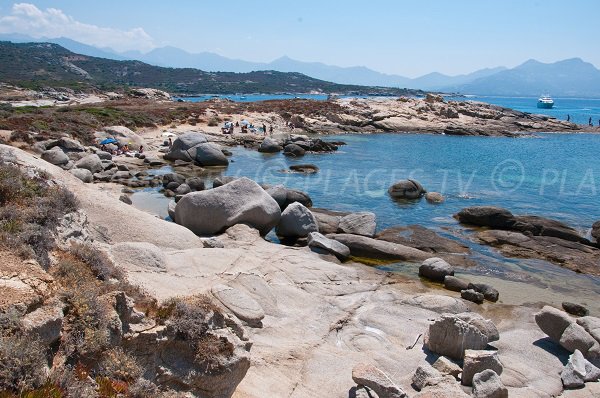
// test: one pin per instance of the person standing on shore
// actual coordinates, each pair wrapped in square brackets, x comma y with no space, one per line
[264,126]
[271,128]
[590,122]
[568,118]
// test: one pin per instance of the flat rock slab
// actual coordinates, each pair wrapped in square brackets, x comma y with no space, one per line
[240,303]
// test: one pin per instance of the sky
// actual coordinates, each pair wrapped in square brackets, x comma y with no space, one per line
[408,38]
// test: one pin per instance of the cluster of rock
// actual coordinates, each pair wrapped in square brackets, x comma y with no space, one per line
[461,343]
[150,93]
[580,336]
[533,237]
[194,147]
[296,145]
[431,115]
[411,190]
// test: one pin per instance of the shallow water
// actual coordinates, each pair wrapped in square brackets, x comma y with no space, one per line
[553,175]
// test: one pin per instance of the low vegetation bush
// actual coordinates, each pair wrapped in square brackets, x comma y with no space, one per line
[30,210]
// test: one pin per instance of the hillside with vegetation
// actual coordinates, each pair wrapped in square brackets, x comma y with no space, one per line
[39,65]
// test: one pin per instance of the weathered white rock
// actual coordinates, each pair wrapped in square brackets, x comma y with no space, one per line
[241,201]
[451,335]
[477,361]
[435,269]
[90,162]
[447,367]
[578,371]
[139,255]
[576,338]
[487,384]
[240,304]
[591,325]
[362,223]
[296,221]
[318,241]
[553,322]
[376,380]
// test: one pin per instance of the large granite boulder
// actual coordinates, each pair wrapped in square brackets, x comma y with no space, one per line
[435,269]
[208,154]
[55,156]
[183,143]
[406,189]
[241,201]
[553,322]
[269,145]
[296,222]
[293,150]
[90,162]
[319,243]
[486,216]
[362,223]
[451,335]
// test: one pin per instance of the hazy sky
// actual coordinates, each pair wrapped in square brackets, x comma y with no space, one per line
[409,38]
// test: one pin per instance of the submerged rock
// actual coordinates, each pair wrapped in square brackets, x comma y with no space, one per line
[486,216]
[434,197]
[365,247]
[293,150]
[406,189]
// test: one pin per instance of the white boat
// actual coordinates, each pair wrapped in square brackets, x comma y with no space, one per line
[545,102]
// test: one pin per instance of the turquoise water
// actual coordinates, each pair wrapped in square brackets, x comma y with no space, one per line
[555,175]
[580,109]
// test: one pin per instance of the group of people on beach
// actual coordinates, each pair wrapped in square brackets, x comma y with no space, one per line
[120,149]
[245,127]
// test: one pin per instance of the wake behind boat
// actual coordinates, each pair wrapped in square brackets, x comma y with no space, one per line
[545,102]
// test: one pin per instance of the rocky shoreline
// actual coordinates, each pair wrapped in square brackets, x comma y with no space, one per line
[309,313]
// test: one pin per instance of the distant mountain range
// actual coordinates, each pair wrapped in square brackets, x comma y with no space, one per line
[572,77]
[39,65]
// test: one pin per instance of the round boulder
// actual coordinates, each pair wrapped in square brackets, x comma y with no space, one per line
[293,150]
[55,156]
[434,197]
[208,154]
[183,143]
[406,189]
[269,145]
[241,201]
[90,162]
[296,222]
[83,174]
[435,269]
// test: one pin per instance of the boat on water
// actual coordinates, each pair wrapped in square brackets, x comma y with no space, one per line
[545,102]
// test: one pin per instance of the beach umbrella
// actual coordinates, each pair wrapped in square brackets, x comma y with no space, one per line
[108,141]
